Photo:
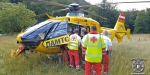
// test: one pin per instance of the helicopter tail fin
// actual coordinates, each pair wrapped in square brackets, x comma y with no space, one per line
[120,28]
[50,17]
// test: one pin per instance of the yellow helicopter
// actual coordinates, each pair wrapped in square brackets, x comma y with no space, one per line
[48,36]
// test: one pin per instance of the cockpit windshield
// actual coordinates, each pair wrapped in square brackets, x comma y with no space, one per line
[38,29]
[75,14]
[36,26]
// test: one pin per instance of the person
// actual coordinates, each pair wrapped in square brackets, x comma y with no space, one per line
[107,51]
[94,44]
[73,47]
[83,32]
[65,51]
[69,33]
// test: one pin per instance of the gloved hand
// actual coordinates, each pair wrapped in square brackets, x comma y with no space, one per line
[110,54]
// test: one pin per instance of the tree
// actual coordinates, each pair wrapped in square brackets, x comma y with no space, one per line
[141,23]
[106,10]
[148,21]
[4,0]
[16,1]
[130,18]
[14,17]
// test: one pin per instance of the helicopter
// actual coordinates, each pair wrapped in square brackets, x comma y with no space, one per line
[49,36]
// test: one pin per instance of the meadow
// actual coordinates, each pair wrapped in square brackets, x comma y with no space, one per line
[120,63]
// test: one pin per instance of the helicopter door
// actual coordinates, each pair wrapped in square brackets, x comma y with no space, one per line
[58,36]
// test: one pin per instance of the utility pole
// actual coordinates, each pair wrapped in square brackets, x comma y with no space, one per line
[83,2]
[104,4]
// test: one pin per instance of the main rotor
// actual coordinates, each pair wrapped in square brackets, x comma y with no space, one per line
[74,9]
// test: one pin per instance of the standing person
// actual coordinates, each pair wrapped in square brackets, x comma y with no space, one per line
[65,51]
[94,44]
[107,51]
[73,46]
[83,33]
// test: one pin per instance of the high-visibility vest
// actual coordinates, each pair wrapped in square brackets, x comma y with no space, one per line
[74,42]
[94,44]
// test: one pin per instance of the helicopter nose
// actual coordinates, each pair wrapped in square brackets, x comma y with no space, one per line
[19,40]
[29,42]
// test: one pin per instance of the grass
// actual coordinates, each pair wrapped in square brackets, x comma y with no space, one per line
[120,62]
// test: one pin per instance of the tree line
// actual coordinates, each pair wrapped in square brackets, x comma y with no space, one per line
[16,16]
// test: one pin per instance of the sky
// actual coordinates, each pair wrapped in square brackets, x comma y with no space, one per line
[127,6]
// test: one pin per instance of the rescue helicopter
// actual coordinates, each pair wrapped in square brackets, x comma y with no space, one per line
[49,36]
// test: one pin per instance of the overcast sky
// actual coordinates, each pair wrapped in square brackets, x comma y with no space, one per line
[138,6]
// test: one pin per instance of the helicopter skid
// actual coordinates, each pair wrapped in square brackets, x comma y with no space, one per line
[15,53]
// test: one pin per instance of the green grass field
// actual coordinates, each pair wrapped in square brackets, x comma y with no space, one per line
[120,62]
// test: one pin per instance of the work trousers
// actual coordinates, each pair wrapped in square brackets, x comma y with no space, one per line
[97,67]
[83,54]
[106,61]
[83,58]
[65,56]
[73,54]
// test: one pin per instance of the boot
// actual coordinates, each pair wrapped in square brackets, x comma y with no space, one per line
[105,73]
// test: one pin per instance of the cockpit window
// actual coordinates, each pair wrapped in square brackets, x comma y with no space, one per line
[39,30]
[60,30]
[33,27]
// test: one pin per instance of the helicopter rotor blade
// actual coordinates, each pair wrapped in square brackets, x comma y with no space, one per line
[86,6]
[94,14]
[47,2]
[56,11]
[40,15]
[131,2]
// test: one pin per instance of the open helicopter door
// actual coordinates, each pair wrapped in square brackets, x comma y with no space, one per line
[58,36]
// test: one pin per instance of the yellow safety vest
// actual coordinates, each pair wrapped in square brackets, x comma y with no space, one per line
[94,44]
[74,42]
